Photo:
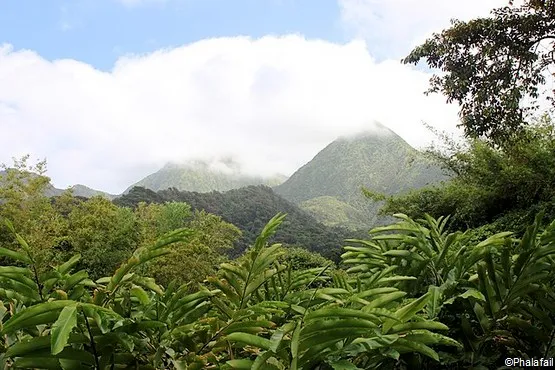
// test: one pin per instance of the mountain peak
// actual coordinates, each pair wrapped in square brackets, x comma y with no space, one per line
[374,130]
[203,176]
[86,192]
[377,159]
[226,165]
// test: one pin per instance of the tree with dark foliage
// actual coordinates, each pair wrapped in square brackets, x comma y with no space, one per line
[496,68]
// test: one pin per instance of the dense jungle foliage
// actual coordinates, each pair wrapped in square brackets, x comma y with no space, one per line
[412,296]
[249,208]
[86,283]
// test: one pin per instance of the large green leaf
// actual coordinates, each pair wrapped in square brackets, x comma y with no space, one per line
[343,365]
[40,344]
[62,328]
[4,252]
[249,339]
[32,315]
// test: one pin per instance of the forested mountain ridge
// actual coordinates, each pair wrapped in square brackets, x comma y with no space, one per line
[203,177]
[248,208]
[330,185]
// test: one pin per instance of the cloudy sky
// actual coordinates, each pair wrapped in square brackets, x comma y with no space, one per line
[110,90]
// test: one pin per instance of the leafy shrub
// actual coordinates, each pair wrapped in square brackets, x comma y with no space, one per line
[258,312]
[490,183]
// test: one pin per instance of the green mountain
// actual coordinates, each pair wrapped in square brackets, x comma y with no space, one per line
[329,186]
[203,177]
[86,192]
[249,209]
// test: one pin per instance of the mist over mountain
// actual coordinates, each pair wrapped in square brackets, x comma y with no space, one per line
[204,176]
[330,186]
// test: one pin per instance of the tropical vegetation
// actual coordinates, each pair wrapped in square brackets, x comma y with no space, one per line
[413,296]
[463,276]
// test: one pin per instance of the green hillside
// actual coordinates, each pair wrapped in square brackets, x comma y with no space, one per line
[202,177]
[86,192]
[334,212]
[329,186]
[248,208]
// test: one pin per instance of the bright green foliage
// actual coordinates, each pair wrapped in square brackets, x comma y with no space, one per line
[62,328]
[496,295]
[64,320]
[156,219]
[22,189]
[262,313]
[469,305]
[22,199]
[104,234]
[58,227]
[296,324]
[194,259]
[200,255]
[301,259]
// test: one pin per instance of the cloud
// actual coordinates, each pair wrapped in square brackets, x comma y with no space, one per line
[393,27]
[270,104]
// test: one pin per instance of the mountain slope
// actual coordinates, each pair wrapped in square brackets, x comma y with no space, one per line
[379,160]
[333,212]
[249,209]
[86,192]
[203,177]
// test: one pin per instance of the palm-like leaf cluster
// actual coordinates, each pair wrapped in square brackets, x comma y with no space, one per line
[394,306]
[496,296]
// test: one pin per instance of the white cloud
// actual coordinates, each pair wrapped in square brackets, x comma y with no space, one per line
[270,104]
[393,27]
